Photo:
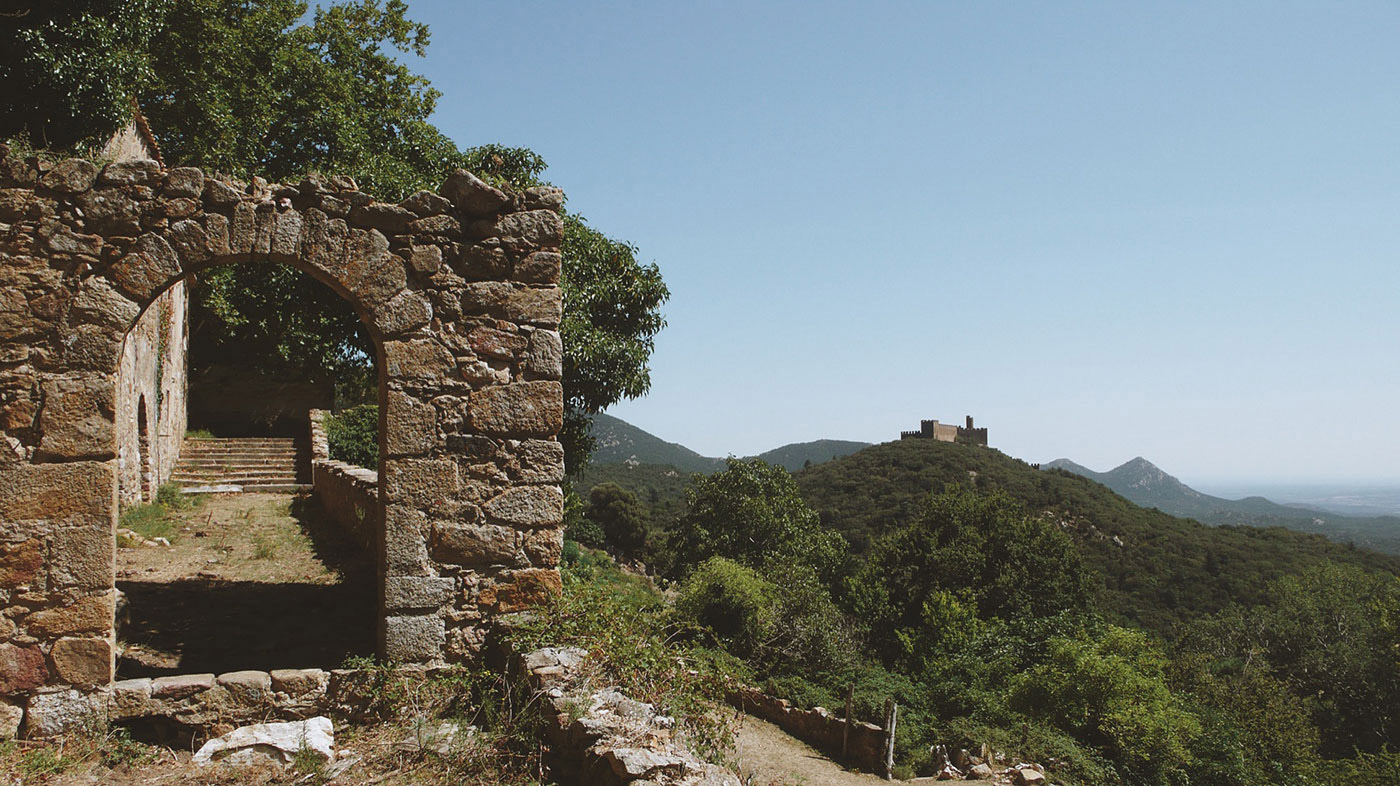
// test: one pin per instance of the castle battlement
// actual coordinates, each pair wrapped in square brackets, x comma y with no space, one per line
[947,432]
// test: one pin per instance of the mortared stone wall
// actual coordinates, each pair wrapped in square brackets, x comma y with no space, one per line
[459,291]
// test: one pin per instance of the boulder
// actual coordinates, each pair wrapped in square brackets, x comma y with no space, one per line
[276,743]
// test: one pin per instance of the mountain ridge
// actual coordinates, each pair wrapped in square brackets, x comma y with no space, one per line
[620,442]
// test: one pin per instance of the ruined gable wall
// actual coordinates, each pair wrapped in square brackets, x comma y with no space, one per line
[459,290]
[152,371]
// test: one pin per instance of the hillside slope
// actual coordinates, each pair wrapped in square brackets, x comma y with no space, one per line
[1147,485]
[1165,571]
[620,442]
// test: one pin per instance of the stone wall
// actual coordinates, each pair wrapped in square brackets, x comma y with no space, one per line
[151,397]
[818,727]
[459,292]
[349,494]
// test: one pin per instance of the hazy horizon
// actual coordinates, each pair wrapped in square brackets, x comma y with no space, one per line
[1105,230]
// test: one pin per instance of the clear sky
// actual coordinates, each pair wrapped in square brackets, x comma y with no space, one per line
[1104,229]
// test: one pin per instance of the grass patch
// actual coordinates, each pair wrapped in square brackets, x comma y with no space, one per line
[199,433]
[153,519]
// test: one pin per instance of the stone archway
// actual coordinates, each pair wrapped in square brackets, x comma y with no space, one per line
[460,293]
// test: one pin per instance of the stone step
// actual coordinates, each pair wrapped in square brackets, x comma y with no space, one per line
[233,477]
[236,488]
[242,463]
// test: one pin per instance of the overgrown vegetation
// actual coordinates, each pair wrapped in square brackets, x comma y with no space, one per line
[353,435]
[153,520]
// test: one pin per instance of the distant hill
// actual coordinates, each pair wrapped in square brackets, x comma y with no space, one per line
[1147,485]
[1159,570]
[621,442]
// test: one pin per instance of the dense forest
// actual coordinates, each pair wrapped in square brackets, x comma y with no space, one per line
[1034,611]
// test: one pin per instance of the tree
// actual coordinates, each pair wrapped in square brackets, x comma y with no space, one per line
[620,515]
[751,513]
[249,88]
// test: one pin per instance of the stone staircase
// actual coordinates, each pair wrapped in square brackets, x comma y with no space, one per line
[242,464]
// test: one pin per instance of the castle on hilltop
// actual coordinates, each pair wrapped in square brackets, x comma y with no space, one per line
[946,432]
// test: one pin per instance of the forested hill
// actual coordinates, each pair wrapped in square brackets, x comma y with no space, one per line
[1165,571]
[1147,485]
[621,442]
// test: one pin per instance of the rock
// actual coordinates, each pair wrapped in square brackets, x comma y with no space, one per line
[433,737]
[10,717]
[426,203]
[531,409]
[981,772]
[471,195]
[22,669]
[83,661]
[1027,776]
[275,743]
[181,686]
[633,763]
[298,682]
[73,176]
[383,216]
[184,181]
[51,714]
[129,173]
[528,506]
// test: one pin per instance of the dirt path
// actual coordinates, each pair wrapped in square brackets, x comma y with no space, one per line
[776,759]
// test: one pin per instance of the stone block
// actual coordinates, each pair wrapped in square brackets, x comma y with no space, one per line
[298,682]
[83,557]
[535,507]
[543,547]
[92,348]
[402,593]
[485,297]
[181,686]
[532,230]
[83,661]
[543,306]
[404,313]
[216,229]
[129,699]
[523,589]
[383,216]
[528,409]
[111,211]
[77,417]
[22,669]
[423,359]
[191,242]
[248,688]
[11,716]
[98,303]
[61,711]
[544,197]
[93,614]
[546,356]
[540,461]
[426,259]
[471,195]
[184,181]
[540,267]
[150,265]
[471,544]
[83,491]
[129,173]
[484,262]
[405,541]
[244,228]
[286,234]
[496,343]
[421,482]
[414,639]
[410,425]
[426,203]
[221,194]
[71,176]
[20,563]
[64,241]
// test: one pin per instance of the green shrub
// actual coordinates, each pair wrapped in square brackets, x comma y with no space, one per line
[353,435]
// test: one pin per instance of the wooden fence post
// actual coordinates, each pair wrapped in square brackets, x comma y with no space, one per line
[846,730]
[891,718]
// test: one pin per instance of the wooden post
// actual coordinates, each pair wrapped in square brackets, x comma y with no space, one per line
[891,718]
[846,730]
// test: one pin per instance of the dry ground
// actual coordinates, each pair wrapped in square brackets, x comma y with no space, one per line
[250,581]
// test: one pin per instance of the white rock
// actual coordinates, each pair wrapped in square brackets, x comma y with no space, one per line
[54,713]
[271,742]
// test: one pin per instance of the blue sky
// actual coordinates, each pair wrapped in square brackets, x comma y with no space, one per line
[1104,229]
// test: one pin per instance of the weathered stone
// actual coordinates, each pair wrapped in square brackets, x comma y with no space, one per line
[544,197]
[77,418]
[540,461]
[71,176]
[435,225]
[147,268]
[496,343]
[65,241]
[243,230]
[524,589]
[128,173]
[83,557]
[83,661]
[1027,776]
[383,216]
[112,211]
[11,715]
[468,544]
[535,306]
[181,686]
[371,273]
[92,614]
[406,312]
[92,347]
[636,763]
[129,699]
[286,234]
[221,194]
[71,491]
[184,181]
[422,482]
[20,563]
[528,506]
[543,547]
[480,262]
[471,196]
[98,303]
[426,203]
[51,714]
[541,267]
[405,541]
[181,207]
[417,359]
[546,356]
[22,669]
[414,639]
[298,682]
[248,688]
[402,593]
[426,259]
[216,228]
[533,409]
[190,241]
[410,425]
[485,296]
[530,231]
[271,743]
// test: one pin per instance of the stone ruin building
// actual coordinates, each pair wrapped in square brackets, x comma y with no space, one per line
[947,432]
[459,293]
